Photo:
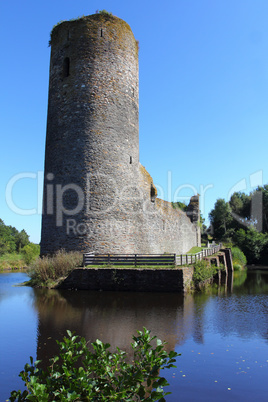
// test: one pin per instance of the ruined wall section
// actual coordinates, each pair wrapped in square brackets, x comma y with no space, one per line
[168,230]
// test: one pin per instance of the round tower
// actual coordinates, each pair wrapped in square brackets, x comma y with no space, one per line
[92,142]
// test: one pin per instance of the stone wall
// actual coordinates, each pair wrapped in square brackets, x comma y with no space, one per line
[97,196]
[130,279]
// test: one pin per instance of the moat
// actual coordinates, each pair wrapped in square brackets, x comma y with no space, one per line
[222,333]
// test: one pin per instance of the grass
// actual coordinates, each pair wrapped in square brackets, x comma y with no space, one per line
[195,250]
[91,266]
[48,271]
[11,261]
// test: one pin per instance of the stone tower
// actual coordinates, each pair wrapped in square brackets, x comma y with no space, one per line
[97,196]
[92,143]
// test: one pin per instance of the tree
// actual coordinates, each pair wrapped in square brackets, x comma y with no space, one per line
[7,238]
[264,207]
[240,204]
[21,240]
[245,222]
[221,218]
[30,252]
[11,239]
[253,244]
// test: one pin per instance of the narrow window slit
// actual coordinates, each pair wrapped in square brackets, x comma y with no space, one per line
[66,67]
[153,193]
[101,32]
[130,160]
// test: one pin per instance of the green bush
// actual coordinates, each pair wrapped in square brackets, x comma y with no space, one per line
[238,256]
[81,374]
[203,271]
[237,267]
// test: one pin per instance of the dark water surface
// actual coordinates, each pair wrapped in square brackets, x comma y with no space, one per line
[222,333]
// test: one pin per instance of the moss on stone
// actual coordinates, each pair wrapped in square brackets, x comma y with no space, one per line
[106,18]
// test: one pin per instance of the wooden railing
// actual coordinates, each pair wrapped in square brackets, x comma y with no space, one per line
[148,259]
[129,259]
[184,259]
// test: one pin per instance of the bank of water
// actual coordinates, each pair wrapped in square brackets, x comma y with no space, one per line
[222,333]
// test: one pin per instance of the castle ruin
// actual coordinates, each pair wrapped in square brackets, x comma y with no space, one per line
[97,196]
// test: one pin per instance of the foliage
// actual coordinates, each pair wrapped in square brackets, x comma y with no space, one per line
[237,267]
[240,204]
[264,199]
[45,269]
[244,222]
[238,256]
[81,374]
[253,244]
[105,13]
[179,205]
[11,239]
[203,271]
[15,247]
[30,252]
[220,218]
[203,227]
[11,261]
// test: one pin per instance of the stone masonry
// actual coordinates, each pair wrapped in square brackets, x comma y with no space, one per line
[97,196]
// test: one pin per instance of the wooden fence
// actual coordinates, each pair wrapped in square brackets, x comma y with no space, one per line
[184,259]
[129,259]
[148,259]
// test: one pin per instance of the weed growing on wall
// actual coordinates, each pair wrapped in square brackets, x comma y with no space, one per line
[106,13]
[80,374]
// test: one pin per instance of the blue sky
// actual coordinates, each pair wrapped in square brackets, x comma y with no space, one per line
[203,97]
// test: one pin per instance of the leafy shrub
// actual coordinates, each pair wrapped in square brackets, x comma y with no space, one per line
[238,256]
[80,374]
[46,269]
[203,271]
[237,267]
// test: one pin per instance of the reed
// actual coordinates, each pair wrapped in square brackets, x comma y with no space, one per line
[46,269]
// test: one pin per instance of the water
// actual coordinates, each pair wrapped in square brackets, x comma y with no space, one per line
[222,334]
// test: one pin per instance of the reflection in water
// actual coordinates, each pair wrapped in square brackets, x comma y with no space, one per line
[246,311]
[114,317]
[221,332]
